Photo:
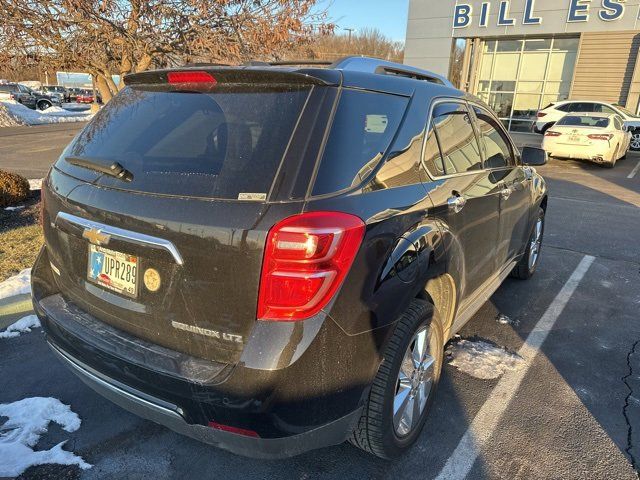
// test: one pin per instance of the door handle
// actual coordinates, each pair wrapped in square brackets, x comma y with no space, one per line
[506,192]
[456,203]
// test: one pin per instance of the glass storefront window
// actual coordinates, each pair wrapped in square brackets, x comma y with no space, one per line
[530,87]
[566,44]
[509,45]
[561,65]
[506,66]
[502,103]
[518,77]
[534,66]
[537,44]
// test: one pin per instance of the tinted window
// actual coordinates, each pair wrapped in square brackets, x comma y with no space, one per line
[496,144]
[432,158]
[5,88]
[215,145]
[458,144]
[362,130]
[583,121]
[618,123]
[608,110]
[567,107]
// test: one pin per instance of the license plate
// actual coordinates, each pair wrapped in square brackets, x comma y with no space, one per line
[574,138]
[113,270]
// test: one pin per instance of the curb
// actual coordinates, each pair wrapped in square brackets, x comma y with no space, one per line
[14,308]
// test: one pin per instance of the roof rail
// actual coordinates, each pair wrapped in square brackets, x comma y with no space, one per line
[284,63]
[205,64]
[376,65]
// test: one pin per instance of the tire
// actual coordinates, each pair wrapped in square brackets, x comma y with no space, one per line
[635,140]
[528,264]
[43,104]
[614,158]
[377,432]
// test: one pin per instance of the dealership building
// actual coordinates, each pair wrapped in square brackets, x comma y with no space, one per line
[521,55]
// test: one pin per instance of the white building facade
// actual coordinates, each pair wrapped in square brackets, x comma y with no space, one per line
[521,55]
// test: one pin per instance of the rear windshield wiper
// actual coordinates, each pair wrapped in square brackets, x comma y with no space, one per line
[113,169]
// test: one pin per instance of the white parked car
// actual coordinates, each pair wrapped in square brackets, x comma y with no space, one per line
[599,137]
[548,116]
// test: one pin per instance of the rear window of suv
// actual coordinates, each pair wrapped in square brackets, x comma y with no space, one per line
[226,144]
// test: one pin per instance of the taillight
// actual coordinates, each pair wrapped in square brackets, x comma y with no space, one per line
[12,96]
[191,77]
[236,430]
[600,136]
[551,133]
[306,258]
[541,114]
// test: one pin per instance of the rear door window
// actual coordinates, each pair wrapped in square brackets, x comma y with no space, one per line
[363,128]
[224,144]
[497,149]
[458,143]
[432,159]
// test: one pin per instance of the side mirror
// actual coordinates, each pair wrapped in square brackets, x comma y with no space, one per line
[534,156]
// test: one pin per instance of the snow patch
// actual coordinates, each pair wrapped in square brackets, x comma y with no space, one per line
[24,325]
[13,113]
[504,320]
[12,209]
[17,285]
[482,359]
[28,420]
[35,183]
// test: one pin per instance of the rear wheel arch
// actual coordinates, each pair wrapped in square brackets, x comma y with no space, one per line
[441,292]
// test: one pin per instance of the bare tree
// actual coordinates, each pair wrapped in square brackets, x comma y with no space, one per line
[369,42]
[117,37]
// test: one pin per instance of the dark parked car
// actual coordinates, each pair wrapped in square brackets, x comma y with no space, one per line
[43,101]
[271,259]
[18,93]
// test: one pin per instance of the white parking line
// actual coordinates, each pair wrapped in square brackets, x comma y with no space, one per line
[634,171]
[485,422]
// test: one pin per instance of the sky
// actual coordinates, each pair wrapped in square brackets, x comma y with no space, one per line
[388,16]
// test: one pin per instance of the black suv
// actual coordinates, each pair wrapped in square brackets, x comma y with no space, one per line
[271,258]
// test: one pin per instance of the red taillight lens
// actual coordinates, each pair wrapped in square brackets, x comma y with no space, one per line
[600,136]
[551,133]
[239,431]
[306,259]
[12,96]
[190,77]
[541,114]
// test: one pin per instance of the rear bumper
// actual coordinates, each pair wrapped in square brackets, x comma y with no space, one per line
[171,416]
[579,152]
[296,385]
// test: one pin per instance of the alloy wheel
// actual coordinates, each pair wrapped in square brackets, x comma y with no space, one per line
[414,383]
[536,242]
[635,141]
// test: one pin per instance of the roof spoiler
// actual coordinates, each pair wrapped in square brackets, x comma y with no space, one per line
[240,75]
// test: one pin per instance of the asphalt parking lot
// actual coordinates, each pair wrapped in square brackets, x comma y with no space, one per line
[572,412]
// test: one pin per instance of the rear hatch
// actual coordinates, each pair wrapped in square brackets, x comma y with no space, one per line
[172,251]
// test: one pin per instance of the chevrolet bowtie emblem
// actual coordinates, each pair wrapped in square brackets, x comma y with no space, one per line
[95,236]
